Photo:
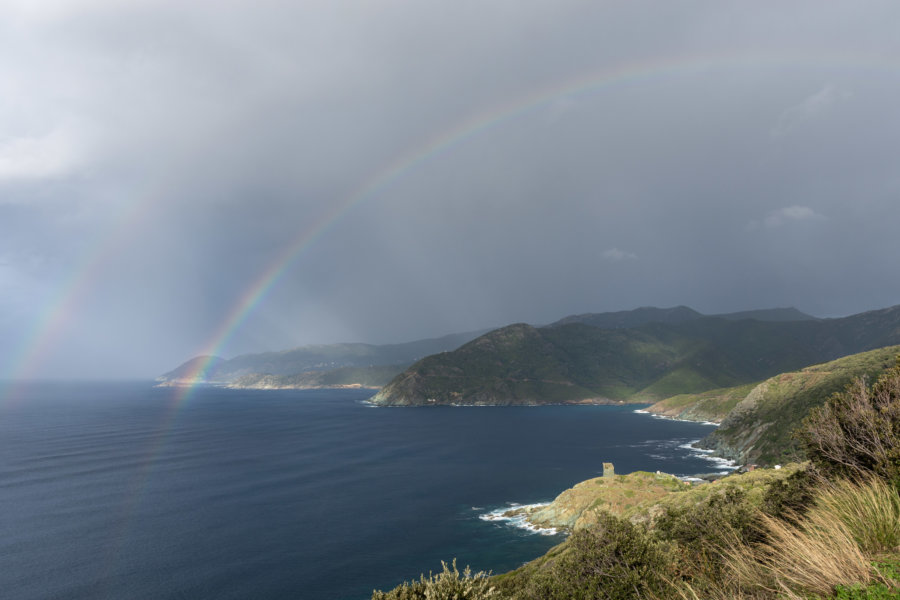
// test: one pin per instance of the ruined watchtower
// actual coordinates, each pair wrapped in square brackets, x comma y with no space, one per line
[609,471]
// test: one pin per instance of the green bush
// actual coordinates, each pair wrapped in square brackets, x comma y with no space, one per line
[447,585]
[787,498]
[611,560]
[705,530]
[856,433]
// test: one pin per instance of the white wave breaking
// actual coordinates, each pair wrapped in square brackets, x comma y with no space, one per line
[722,463]
[641,411]
[520,519]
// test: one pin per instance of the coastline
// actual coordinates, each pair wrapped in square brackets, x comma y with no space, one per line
[181,383]
[667,417]
[631,495]
[342,386]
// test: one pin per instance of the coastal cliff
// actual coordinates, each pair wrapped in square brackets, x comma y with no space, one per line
[759,429]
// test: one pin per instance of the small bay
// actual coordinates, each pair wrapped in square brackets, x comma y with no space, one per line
[123,490]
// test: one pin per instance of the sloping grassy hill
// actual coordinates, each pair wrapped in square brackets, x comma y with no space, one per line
[521,364]
[713,405]
[759,428]
[628,496]
[641,496]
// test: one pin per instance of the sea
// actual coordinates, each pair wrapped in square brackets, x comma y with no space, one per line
[122,490]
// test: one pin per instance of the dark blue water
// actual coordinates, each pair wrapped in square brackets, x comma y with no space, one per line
[110,490]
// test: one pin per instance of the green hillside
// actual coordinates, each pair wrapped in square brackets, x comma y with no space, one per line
[573,362]
[521,364]
[759,428]
[713,405]
[277,368]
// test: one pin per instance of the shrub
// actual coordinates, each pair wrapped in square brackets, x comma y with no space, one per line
[611,560]
[447,585]
[786,498]
[856,433]
[705,530]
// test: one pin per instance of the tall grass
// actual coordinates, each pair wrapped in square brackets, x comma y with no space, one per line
[870,510]
[832,545]
[811,556]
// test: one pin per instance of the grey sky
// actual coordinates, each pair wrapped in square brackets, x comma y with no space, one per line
[157,157]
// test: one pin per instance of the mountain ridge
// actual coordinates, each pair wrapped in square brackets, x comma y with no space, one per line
[677,314]
[576,362]
[298,367]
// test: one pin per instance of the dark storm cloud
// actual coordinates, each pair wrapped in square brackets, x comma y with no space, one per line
[157,157]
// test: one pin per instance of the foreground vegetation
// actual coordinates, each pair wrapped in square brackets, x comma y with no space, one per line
[830,529]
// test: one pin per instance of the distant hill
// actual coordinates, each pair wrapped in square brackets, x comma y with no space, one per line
[626,319]
[315,358]
[198,368]
[298,367]
[768,314]
[575,361]
[678,314]
[365,377]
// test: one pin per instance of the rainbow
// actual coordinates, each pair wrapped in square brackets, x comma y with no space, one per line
[72,290]
[462,131]
[439,144]
[60,310]
[378,183]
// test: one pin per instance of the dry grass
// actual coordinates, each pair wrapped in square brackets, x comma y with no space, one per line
[870,510]
[832,545]
[811,557]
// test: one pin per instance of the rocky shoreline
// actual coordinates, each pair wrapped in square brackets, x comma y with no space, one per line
[639,497]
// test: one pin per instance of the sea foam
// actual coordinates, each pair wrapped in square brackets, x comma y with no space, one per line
[641,411]
[519,520]
[722,463]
